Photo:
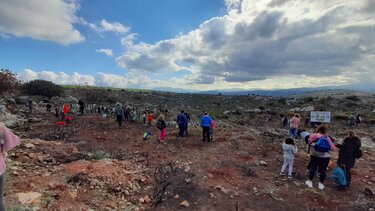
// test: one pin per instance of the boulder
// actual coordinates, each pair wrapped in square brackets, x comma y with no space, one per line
[34,119]
[29,198]
[11,101]
[21,99]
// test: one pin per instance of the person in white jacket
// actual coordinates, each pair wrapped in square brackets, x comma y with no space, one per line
[289,151]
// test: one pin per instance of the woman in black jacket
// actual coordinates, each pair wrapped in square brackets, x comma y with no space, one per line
[349,151]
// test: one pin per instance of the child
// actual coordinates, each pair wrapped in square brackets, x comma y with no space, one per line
[161,126]
[289,151]
[212,129]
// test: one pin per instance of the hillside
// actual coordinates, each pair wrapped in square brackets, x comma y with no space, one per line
[91,164]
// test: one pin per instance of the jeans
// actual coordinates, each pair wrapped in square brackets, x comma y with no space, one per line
[293,132]
[119,120]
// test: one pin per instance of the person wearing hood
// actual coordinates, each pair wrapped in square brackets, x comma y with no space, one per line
[119,114]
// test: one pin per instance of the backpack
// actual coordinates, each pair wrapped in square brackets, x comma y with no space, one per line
[338,176]
[358,153]
[160,125]
[322,144]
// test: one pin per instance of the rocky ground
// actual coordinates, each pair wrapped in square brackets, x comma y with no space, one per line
[91,164]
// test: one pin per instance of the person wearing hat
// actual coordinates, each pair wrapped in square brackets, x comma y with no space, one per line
[206,124]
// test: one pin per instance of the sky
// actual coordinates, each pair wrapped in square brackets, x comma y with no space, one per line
[190,44]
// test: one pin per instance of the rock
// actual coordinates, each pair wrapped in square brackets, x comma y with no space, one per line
[185,204]
[21,99]
[187,169]
[147,199]
[30,146]
[368,192]
[212,195]
[176,196]
[373,179]
[34,119]
[263,163]
[29,198]
[111,204]
[141,200]
[11,101]
[257,110]
[226,112]
[210,176]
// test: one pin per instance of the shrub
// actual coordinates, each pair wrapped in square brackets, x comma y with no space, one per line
[353,98]
[8,82]
[282,101]
[43,88]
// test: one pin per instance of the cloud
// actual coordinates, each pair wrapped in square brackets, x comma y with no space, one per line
[105,26]
[257,41]
[105,51]
[42,20]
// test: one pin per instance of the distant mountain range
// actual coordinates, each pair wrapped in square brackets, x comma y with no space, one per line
[278,92]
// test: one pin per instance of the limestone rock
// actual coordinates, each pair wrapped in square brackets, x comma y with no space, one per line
[29,198]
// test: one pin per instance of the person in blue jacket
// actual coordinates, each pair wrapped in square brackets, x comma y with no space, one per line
[181,122]
[206,124]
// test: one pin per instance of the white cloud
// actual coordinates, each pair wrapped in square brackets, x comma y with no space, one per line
[42,20]
[105,26]
[128,40]
[105,51]
[264,41]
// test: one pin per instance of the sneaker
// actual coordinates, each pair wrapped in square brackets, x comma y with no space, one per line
[309,183]
[307,172]
[290,177]
[318,174]
[282,174]
[320,186]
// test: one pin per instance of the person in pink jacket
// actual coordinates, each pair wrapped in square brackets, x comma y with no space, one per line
[7,142]
[293,126]
[319,159]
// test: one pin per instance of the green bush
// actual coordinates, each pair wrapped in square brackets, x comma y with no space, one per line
[43,88]
[353,98]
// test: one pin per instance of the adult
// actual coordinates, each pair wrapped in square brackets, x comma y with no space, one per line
[206,124]
[119,114]
[181,122]
[358,119]
[349,151]
[48,107]
[285,122]
[30,104]
[293,126]
[7,142]
[352,120]
[161,126]
[187,123]
[81,106]
[319,159]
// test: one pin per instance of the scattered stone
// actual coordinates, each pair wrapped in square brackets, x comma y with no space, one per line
[176,196]
[147,199]
[111,204]
[30,146]
[210,176]
[185,204]
[187,169]
[34,119]
[263,163]
[141,200]
[212,195]
[29,198]
[373,179]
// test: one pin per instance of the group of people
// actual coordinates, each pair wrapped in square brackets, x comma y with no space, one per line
[354,120]
[320,147]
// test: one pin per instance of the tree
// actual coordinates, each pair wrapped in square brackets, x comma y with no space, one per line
[8,82]
[42,87]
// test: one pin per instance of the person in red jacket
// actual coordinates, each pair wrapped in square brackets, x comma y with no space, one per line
[149,118]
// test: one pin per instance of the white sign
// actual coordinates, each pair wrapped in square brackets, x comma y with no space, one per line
[320,116]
